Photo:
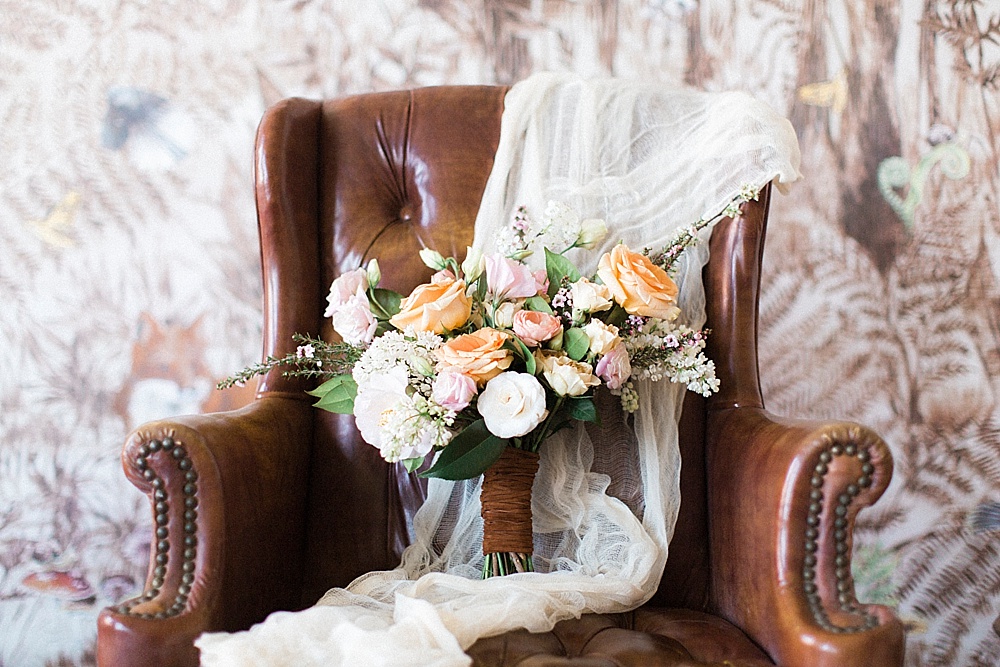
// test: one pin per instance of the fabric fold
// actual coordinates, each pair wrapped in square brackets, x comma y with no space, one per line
[649,160]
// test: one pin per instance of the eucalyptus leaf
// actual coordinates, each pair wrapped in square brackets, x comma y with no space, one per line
[468,454]
[576,343]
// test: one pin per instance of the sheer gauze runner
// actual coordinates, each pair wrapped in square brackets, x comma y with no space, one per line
[648,160]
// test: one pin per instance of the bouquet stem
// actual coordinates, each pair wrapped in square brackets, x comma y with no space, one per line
[506,511]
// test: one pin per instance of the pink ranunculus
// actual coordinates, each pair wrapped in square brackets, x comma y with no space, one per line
[533,327]
[354,321]
[541,281]
[343,288]
[614,367]
[453,390]
[509,279]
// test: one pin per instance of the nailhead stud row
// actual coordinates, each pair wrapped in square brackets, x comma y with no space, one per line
[161,504]
[845,599]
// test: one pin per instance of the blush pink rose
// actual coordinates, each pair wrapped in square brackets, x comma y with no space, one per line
[509,279]
[354,321]
[453,390]
[343,288]
[533,327]
[614,367]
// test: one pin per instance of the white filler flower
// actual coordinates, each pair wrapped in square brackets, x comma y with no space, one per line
[512,404]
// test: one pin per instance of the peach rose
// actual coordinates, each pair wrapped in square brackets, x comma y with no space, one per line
[638,285]
[436,306]
[479,354]
[533,327]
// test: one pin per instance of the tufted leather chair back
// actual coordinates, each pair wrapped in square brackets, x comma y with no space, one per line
[383,175]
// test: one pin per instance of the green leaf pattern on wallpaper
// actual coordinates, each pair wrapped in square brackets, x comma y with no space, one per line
[128,260]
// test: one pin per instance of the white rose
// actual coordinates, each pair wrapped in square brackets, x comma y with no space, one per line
[590,297]
[565,376]
[377,395]
[512,404]
[354,321]
[343,288]
[602,336]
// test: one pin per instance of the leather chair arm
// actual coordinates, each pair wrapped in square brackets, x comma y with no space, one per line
[783,498]
[228,492]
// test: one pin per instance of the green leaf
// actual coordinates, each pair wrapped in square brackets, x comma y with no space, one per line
[412,464]
[582,409]
[616,316]
[336,394]
[538,304]
[385,302]
[468,454]
[557,267]
[481,287]
[517,346]
[576,343]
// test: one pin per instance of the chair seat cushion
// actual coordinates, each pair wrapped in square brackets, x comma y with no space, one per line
[647,637]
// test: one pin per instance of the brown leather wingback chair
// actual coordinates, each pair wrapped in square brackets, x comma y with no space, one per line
[266,508]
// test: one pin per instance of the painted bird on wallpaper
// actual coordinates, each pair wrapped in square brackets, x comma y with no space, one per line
[147,127]
[57,224]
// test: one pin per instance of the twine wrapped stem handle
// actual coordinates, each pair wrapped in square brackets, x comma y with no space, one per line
[506,502]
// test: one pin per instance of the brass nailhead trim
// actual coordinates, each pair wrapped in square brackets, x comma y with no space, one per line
[161,506]
[845,600]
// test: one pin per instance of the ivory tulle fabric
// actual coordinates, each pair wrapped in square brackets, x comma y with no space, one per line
[648,160]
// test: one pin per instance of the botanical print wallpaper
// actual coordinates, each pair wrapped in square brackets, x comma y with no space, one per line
[129,271]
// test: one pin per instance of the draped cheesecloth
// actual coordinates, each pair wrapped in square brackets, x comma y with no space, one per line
[648,160]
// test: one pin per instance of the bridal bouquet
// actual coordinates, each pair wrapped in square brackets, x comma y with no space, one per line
[478,367]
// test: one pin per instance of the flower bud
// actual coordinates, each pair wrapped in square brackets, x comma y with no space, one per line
[374,273]
[592,232]
[421,365]
[473,265]
[432,258]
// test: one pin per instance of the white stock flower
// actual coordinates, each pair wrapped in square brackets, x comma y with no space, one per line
[401,426]
[512,404]
[377,395]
